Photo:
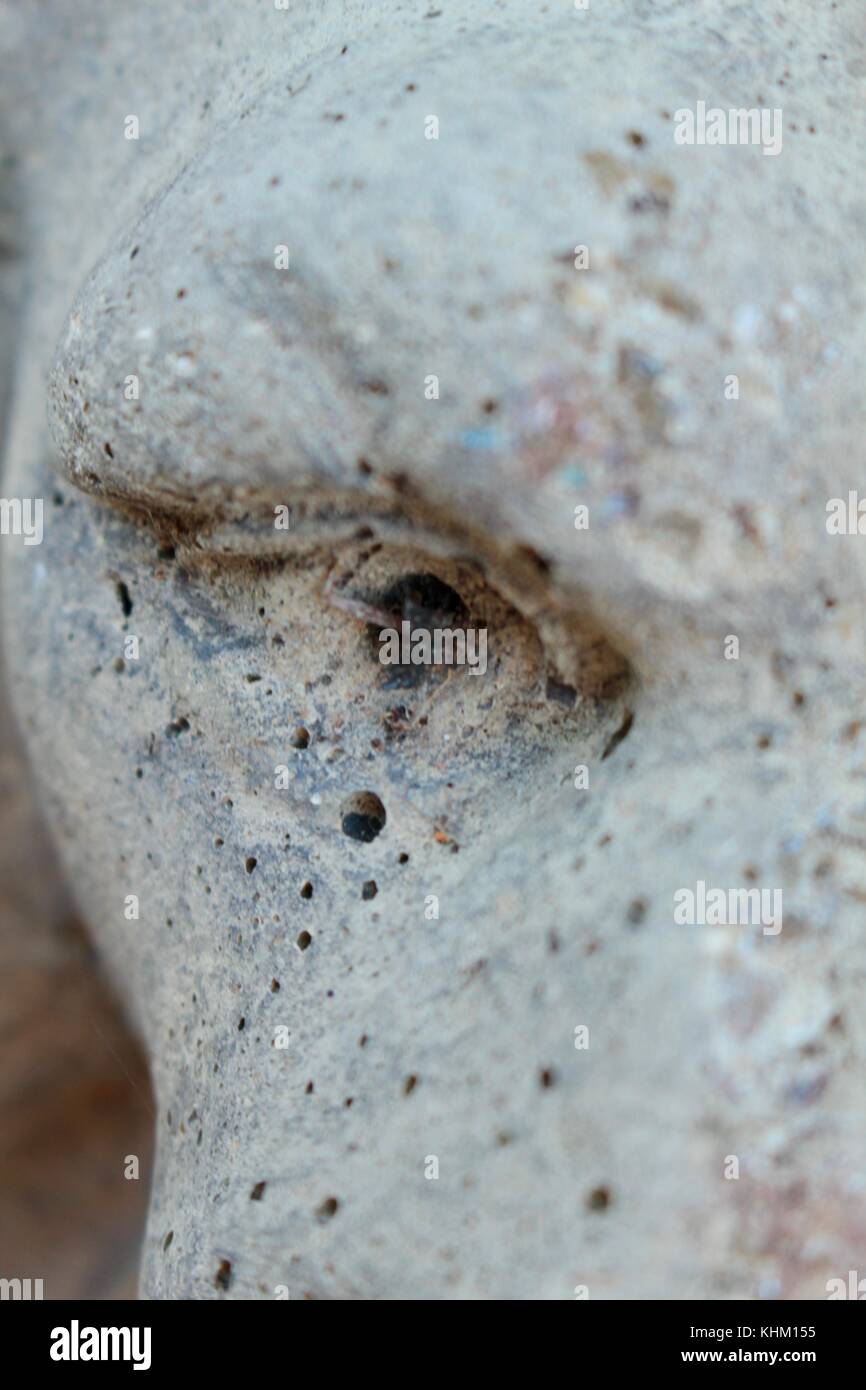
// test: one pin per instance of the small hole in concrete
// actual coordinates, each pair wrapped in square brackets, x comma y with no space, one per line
[250,863]
[369,889]
[409,1085]
[329,1208]
[598,1199]
[258,1192]
[362,816]
[124,597]
[303,940]
[306,890]
[223,1276]
[636,912]
[561,692]
[300,738]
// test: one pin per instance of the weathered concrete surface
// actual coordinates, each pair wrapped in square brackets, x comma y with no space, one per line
[410,1038]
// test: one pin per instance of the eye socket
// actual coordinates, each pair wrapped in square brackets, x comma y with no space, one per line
[419,606]
[428,606]
[547,684]
[538,682]
[520,675]
[423,600]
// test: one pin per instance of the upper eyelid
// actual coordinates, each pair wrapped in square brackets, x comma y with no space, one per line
[252,383]
[206,457]
[231,518]
[223,510]
[234,522]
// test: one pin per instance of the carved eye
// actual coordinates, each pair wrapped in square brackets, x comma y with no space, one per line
[407,623]
[447,668]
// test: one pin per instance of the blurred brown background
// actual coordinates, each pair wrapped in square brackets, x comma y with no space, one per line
[74,1094]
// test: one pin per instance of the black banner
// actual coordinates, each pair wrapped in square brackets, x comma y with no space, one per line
[65,1338]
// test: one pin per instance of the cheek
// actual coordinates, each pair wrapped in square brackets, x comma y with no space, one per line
[211,779]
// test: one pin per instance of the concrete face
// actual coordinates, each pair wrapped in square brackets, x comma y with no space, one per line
[306,1032]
